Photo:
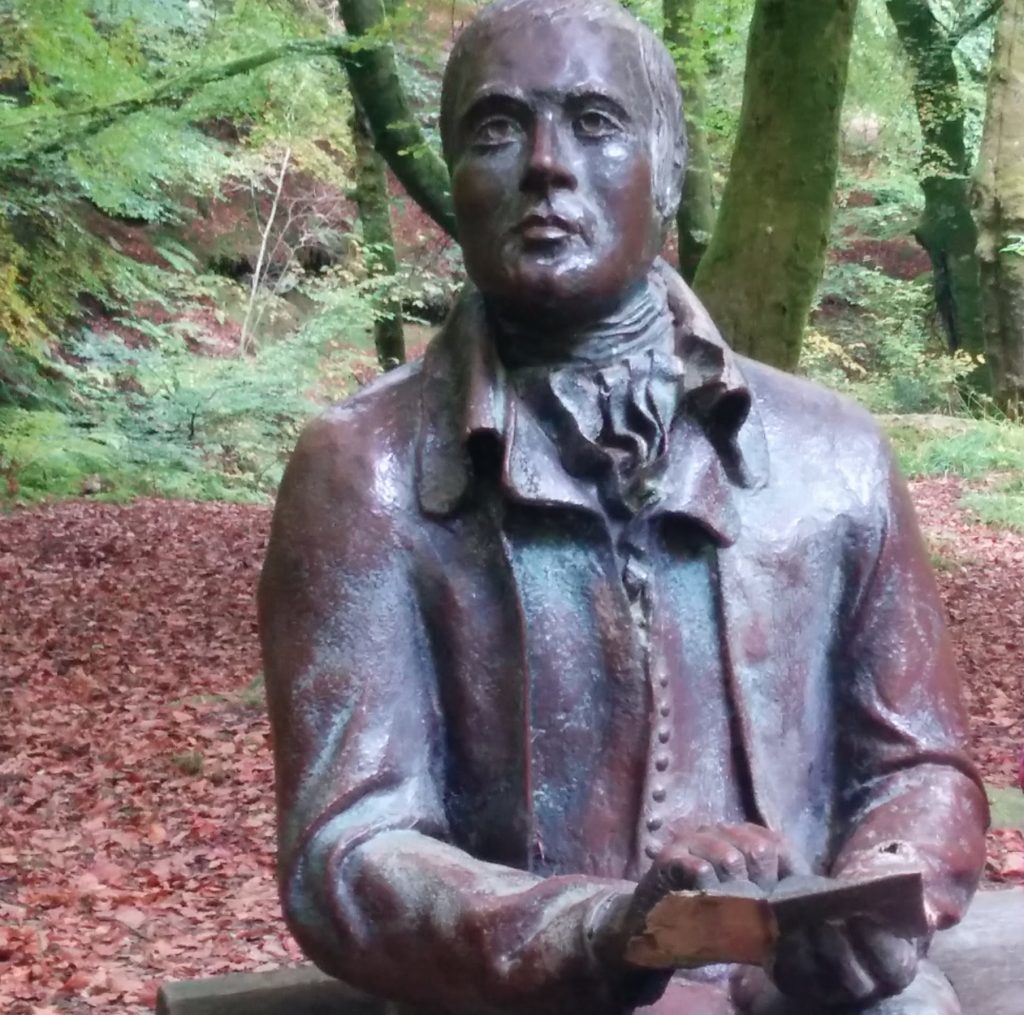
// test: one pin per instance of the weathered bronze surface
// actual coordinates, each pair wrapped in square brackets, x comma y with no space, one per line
[583,608]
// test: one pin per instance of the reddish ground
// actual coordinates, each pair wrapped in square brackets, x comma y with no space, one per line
[135,781]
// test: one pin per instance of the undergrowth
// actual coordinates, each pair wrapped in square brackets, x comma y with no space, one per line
[175,419]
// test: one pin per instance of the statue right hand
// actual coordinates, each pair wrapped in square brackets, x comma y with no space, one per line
[705,857]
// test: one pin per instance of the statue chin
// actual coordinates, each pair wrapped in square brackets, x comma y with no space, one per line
[559,287]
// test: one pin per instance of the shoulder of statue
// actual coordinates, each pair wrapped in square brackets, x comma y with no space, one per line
[362,450]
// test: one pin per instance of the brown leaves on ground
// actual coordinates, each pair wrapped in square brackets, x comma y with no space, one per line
[137,842]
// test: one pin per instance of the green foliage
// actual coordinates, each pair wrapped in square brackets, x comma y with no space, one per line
[164,421]
[956,446]
[876,338]
[62,61]
[1015,246]
[879,120]
[987,452]
[1002,505]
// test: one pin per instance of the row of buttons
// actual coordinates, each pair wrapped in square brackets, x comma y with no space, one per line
[661,762]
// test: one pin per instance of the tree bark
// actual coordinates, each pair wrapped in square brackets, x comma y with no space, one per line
[1000,202]
[374,76]
[767,252]
[378,239]
[946,230]
[696,218]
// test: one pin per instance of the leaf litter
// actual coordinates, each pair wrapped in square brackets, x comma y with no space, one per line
[136,780]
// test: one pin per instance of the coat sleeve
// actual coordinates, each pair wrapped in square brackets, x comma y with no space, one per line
[370,888]
[907,788]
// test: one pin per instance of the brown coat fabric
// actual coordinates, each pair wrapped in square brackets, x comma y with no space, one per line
[475,746]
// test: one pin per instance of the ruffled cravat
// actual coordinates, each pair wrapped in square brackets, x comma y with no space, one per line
[611,423]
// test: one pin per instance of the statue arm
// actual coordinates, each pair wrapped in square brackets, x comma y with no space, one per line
[909,791]
[370,888]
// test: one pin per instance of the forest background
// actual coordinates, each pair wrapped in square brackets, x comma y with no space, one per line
[199,242]
[217,216]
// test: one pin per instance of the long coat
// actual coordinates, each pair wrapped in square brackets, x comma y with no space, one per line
[477,748]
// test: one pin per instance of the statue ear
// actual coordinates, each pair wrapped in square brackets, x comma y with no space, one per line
[669,170]
[669,187]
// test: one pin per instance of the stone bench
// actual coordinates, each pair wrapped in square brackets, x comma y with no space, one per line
[983,957]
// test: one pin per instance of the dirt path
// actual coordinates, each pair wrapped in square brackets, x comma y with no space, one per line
[135,780]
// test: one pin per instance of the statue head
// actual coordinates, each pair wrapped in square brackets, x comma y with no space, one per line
[562,126]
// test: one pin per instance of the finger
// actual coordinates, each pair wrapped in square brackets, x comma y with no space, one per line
[839,966]
[760,848]
[794,964]
[687,871]
[729,862]
[892,960]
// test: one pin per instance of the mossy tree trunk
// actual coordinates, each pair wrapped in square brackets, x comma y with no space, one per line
[696,218]
[371,196]
[767,252]
[946,230]
[1000,193]
[396,135]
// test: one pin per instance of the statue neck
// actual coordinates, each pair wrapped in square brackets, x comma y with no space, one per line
[642,321]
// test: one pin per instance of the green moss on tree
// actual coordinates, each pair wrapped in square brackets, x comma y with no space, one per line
[767,252]
[371,195]
[397,137]
[946,230]
[1000,192]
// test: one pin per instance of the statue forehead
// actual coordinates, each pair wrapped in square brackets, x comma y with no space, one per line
[565,45]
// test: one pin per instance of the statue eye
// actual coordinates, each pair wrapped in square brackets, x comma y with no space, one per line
[593,123]
[495,131]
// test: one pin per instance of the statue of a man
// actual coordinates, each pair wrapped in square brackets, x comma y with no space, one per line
[583,608]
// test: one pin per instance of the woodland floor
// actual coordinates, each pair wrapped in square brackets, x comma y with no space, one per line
[136,843]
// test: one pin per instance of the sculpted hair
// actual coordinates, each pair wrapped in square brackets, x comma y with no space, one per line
[668,129]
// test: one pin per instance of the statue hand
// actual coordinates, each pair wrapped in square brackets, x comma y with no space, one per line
[745,857]
[841,963]
[705,857]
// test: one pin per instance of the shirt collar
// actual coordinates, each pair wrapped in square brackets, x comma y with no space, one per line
[717,443]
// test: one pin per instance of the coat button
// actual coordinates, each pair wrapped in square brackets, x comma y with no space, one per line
[665,711]
[658,794]
[663,681]
[651,851]
[664,734]
[661,762]
[653,824]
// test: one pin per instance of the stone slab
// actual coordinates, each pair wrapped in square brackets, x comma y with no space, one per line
[982,957]
[302,991]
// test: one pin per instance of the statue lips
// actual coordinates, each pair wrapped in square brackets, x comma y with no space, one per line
[547,228]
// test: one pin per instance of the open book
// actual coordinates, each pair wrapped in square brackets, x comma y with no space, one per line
[740,923]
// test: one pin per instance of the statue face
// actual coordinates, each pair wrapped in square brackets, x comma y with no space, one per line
[551,167]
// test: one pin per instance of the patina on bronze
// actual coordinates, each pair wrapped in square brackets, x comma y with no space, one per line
[583,608]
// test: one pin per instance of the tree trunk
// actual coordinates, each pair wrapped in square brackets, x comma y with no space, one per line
[1000,191]
[374,76]
[378,240]
[767,252]
[946,230]
[696,218]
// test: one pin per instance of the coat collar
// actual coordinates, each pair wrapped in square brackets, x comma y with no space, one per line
[717,444]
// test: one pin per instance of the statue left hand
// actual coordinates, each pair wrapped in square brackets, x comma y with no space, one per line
[850,962]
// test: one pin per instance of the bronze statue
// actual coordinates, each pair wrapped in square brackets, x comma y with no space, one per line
[583,608]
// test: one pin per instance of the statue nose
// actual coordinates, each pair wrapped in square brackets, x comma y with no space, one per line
[548,167]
